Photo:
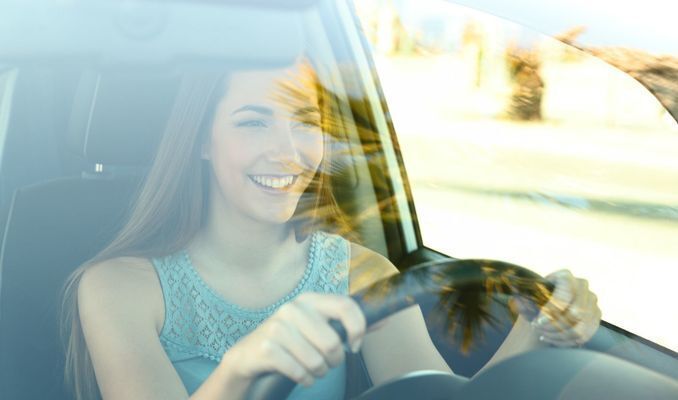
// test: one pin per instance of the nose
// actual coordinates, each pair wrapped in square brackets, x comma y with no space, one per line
[283,147]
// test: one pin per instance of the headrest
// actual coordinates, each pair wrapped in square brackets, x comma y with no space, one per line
[118,117]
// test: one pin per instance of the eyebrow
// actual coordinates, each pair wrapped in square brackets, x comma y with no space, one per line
[269,112]
[258,109]
[307,110]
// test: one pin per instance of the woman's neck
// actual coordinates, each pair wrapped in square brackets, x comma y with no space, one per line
[236,244]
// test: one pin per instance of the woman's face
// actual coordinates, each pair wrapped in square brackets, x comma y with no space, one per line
[266,143]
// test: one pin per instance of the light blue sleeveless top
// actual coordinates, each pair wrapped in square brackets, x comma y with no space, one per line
[200,325]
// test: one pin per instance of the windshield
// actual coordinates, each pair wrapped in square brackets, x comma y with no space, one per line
[346,200]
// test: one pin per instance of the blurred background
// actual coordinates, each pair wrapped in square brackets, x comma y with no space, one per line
[532,150]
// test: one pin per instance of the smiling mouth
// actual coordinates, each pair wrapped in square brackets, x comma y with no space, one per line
[274,183]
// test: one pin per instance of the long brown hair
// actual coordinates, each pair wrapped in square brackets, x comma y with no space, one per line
[171,205]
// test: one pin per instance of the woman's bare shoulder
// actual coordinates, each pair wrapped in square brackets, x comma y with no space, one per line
[367,267]
[126,284]
[119,273]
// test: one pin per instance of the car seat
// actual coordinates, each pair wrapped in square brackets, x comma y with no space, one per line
[55,225]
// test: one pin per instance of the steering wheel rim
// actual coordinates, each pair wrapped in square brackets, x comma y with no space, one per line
[440,277]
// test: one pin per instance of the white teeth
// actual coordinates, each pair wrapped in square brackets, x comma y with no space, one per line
[273,182]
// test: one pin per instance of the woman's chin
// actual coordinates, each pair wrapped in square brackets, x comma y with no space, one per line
[275,217]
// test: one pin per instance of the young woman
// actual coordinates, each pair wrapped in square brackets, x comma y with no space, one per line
[231,265]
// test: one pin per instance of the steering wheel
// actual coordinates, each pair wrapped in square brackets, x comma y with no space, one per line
[451,282]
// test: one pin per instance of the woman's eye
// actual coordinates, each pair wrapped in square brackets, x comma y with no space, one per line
[310,124]
[251,123]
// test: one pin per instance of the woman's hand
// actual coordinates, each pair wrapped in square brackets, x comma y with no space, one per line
[296,341]
[571,316]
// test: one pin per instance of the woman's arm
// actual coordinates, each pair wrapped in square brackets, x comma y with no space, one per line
[520,339]
[570,318]
[119,301]
[120,308]
[401,343]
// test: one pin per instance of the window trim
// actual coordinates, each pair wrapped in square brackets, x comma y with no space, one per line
[407,238]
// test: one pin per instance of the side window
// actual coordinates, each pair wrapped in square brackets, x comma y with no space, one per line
[521,148]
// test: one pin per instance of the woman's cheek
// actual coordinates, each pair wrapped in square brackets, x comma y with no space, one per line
[312,149]
[237,151]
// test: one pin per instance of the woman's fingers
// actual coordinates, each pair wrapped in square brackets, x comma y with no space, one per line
[297,340]
[315,331]
[341,308]
[279,359]
[301,328]
[558,316]
[572,315]
[580,334]
[563,296]
[289,337]
[584,309]
[564,292]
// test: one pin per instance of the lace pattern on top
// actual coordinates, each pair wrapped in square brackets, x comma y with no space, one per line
[200,322]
